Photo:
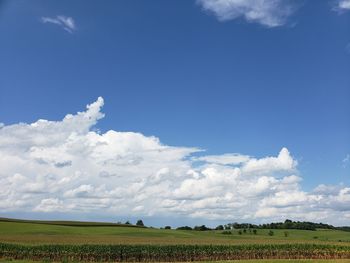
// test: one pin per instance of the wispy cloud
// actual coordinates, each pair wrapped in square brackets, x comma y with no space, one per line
[65,22]
[346,160]
[347,48]
[343,5]
[270,13]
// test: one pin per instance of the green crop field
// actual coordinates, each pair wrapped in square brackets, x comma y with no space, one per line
[235,261]
[88,233]
[94,242]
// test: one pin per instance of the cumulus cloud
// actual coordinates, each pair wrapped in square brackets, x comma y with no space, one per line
[67,166]
[65,22]
[270,13]
[228,158]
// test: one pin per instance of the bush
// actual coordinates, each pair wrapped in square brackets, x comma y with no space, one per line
[271,233]
[286,234]
[226,232]
[167,227]
[240,232]
[254,231]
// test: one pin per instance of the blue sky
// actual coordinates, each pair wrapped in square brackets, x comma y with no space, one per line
[234,79]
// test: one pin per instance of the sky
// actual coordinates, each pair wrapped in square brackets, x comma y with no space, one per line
[176,112]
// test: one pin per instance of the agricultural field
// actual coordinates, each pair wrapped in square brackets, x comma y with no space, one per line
[230,261]
[100,242]
[96,233]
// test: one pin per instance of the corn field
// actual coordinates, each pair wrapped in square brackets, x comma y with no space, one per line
[147,253]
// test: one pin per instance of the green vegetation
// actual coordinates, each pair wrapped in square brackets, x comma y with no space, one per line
[152,253]
[287,224]
[90,241]
[139,223]
[99,233]
[233,261]
[68,223]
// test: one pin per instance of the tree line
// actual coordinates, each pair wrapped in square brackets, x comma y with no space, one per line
[287,224]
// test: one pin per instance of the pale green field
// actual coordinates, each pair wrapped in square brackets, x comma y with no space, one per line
[33,233]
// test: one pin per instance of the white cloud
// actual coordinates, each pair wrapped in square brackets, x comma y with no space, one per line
[270,13]
[343,5]
[67,23]
[268,165]
[346,160]
[228,158]
[65,166]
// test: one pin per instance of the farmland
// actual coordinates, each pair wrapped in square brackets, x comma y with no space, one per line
[233,261]
[87,233]
[86,241]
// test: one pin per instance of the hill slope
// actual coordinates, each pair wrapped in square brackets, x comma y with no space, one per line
[71,232]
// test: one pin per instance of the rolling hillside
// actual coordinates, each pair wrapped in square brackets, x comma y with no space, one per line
[73,232]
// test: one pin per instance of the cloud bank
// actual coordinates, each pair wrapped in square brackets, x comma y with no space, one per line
[66,166]
[270,13]
[67,23]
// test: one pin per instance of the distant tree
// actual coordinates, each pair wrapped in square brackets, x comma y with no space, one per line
[201,228]
[127,223]
[167,227]
[254,231]
[271,233]
[139,223]
[244,230]
[184,228]
[220,227]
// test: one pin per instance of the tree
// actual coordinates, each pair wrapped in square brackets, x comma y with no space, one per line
[254,231]
[139,223]
[220,227]
[127,223]
[240,232]
[201,228]
[167,227]
[184,228]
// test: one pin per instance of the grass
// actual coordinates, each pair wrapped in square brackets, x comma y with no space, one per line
[45,233]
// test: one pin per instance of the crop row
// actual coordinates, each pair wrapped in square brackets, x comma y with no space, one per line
[148,253]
